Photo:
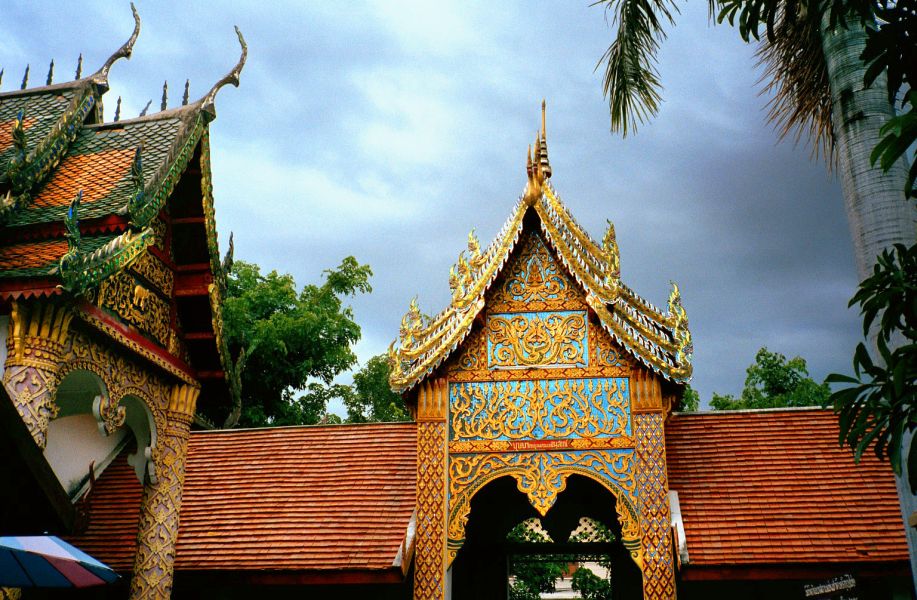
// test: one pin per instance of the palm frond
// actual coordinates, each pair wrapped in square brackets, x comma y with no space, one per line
[796,73]
[631,82]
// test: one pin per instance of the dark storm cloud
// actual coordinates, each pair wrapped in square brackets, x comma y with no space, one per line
[389,130]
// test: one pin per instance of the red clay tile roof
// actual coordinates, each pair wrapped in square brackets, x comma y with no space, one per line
[95,174]
[293,498]
[773,487]
[31,255]
[6,131]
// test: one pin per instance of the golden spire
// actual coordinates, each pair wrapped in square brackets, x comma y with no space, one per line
[538,168]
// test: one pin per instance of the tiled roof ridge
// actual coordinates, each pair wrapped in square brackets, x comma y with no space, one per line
[740,411]
[314,427]
[44,89]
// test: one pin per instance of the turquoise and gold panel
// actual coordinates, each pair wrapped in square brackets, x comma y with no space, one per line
[569,409]
[537,339]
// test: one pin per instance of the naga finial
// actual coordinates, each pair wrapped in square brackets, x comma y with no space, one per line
[207,102]
[101,76]
[610,246]
[50,79]
[474,251]
[164,103]
[72,224]
[227,258]
[136,201]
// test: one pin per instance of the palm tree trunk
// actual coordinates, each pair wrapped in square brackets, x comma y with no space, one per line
[878,213]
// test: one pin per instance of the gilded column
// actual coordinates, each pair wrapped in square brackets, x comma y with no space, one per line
[653,487]
[159,510]
[430,548]
[35,344]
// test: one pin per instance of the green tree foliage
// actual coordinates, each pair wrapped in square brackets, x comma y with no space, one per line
[370,397]
[690,402]
[772,382]
[879,404]
[590,586]
[292,341]
[535,574]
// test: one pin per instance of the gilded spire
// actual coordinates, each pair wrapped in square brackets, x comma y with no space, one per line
[118,110]
[538,168]
[165,96]
[184,98]
[79,66]
[25,78]
[50,79]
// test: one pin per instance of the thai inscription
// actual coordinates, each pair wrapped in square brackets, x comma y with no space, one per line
[537,410]
[537,339]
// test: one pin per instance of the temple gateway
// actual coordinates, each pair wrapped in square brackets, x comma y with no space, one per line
[545,399]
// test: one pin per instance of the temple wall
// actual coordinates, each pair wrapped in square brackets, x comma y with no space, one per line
[73,443]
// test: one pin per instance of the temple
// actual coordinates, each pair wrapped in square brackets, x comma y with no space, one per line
[545,396]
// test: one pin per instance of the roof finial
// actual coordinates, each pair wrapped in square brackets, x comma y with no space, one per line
[231,77]
[165,96]
[543,146]
[50,73]
[184,98]
[79,66]
[118,110]
[25,78]
[101,76]
[146,108]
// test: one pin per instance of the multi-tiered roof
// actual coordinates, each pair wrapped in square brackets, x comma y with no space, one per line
[660,340]
[83,199]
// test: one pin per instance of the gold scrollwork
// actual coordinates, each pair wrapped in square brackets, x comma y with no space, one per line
[533,276]
[541,477]
[135,303]
[155,271]
[518,410]
[540,339]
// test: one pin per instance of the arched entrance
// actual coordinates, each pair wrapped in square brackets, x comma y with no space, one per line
[482,566]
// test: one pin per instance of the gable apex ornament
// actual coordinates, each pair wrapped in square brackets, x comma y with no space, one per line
[538,167]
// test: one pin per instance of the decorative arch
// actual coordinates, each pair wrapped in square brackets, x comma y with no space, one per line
[541,476]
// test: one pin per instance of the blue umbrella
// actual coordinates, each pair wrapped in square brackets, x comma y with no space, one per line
[48,561]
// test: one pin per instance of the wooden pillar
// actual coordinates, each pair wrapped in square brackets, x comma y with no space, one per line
[35,344]
[159,511]
[653,487]
[430,548]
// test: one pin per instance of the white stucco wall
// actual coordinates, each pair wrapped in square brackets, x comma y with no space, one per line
[74,442]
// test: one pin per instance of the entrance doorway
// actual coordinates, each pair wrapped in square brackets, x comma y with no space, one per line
[489,562]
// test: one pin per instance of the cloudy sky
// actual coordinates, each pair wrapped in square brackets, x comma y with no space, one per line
[389,130]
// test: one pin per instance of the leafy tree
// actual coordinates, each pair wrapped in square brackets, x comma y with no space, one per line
[290,340]
[836,67]
[773,381]
[879,405]
[371,398]
[690,402]
[590,586]
[537,573]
